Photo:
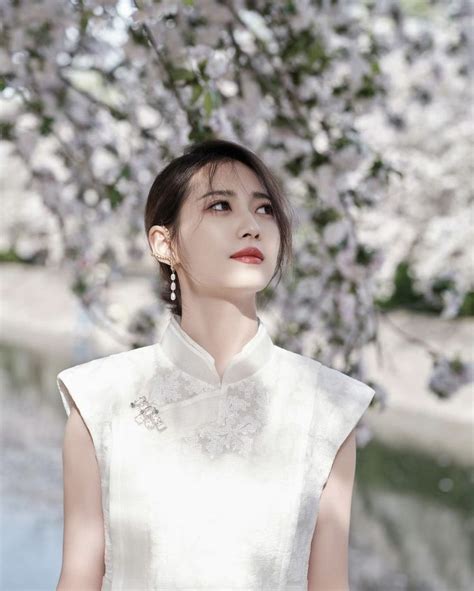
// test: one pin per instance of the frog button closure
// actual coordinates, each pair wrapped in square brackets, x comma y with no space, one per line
[148,414]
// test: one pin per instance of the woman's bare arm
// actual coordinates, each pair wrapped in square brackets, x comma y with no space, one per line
[328,564]
[83,540]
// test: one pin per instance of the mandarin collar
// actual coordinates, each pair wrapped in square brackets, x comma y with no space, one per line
[193,359]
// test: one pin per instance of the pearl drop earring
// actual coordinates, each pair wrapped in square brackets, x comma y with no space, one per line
[173,284]
[173,274]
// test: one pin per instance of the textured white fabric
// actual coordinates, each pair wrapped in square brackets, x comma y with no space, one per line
[225,497]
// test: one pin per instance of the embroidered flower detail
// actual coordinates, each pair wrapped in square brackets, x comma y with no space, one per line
[149,415]
[177,386]
[173,385]
[243,416]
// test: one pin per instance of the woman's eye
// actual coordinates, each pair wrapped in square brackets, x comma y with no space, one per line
[269,206]
[218,203]
[226,203]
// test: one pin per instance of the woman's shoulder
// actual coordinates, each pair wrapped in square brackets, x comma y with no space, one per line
[338,401]
[101,382]
[296,361]
[119,361]
[343,400]
[339,385]
[327,381]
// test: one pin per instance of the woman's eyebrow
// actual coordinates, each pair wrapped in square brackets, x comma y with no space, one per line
[229,193]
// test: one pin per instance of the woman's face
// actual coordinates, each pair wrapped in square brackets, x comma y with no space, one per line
[215,226]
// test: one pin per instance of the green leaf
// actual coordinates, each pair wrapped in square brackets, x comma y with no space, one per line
[46,125]
[113,195]
[178,73]
[325,216]
[197,91]
[208,102]
[375,67]
[368,88]
[200,131]
[138,36]
[84,19]
[6,130]
[295,166]
[79,287]
[316,51]
[126,172]
[117,114]
[9,256]
[467,307]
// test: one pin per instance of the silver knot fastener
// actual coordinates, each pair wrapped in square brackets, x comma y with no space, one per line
[149,415]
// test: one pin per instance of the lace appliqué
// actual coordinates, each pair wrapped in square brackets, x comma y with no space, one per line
[169,386]
[243,416]
[173,385]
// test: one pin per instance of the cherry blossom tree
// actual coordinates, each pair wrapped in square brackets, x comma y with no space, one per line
[98,96]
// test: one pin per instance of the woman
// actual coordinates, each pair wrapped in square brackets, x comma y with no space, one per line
[199,462]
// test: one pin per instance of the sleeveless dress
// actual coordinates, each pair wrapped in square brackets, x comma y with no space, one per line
[210,483]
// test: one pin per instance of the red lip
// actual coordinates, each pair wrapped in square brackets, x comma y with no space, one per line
[248,252]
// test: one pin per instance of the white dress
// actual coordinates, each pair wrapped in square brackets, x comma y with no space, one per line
[223,494]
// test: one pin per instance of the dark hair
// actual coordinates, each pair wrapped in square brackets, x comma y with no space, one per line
[172,186]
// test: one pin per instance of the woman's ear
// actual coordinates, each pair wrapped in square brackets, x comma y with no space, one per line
[160,243]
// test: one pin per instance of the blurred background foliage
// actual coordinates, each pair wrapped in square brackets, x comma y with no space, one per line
[360,108]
